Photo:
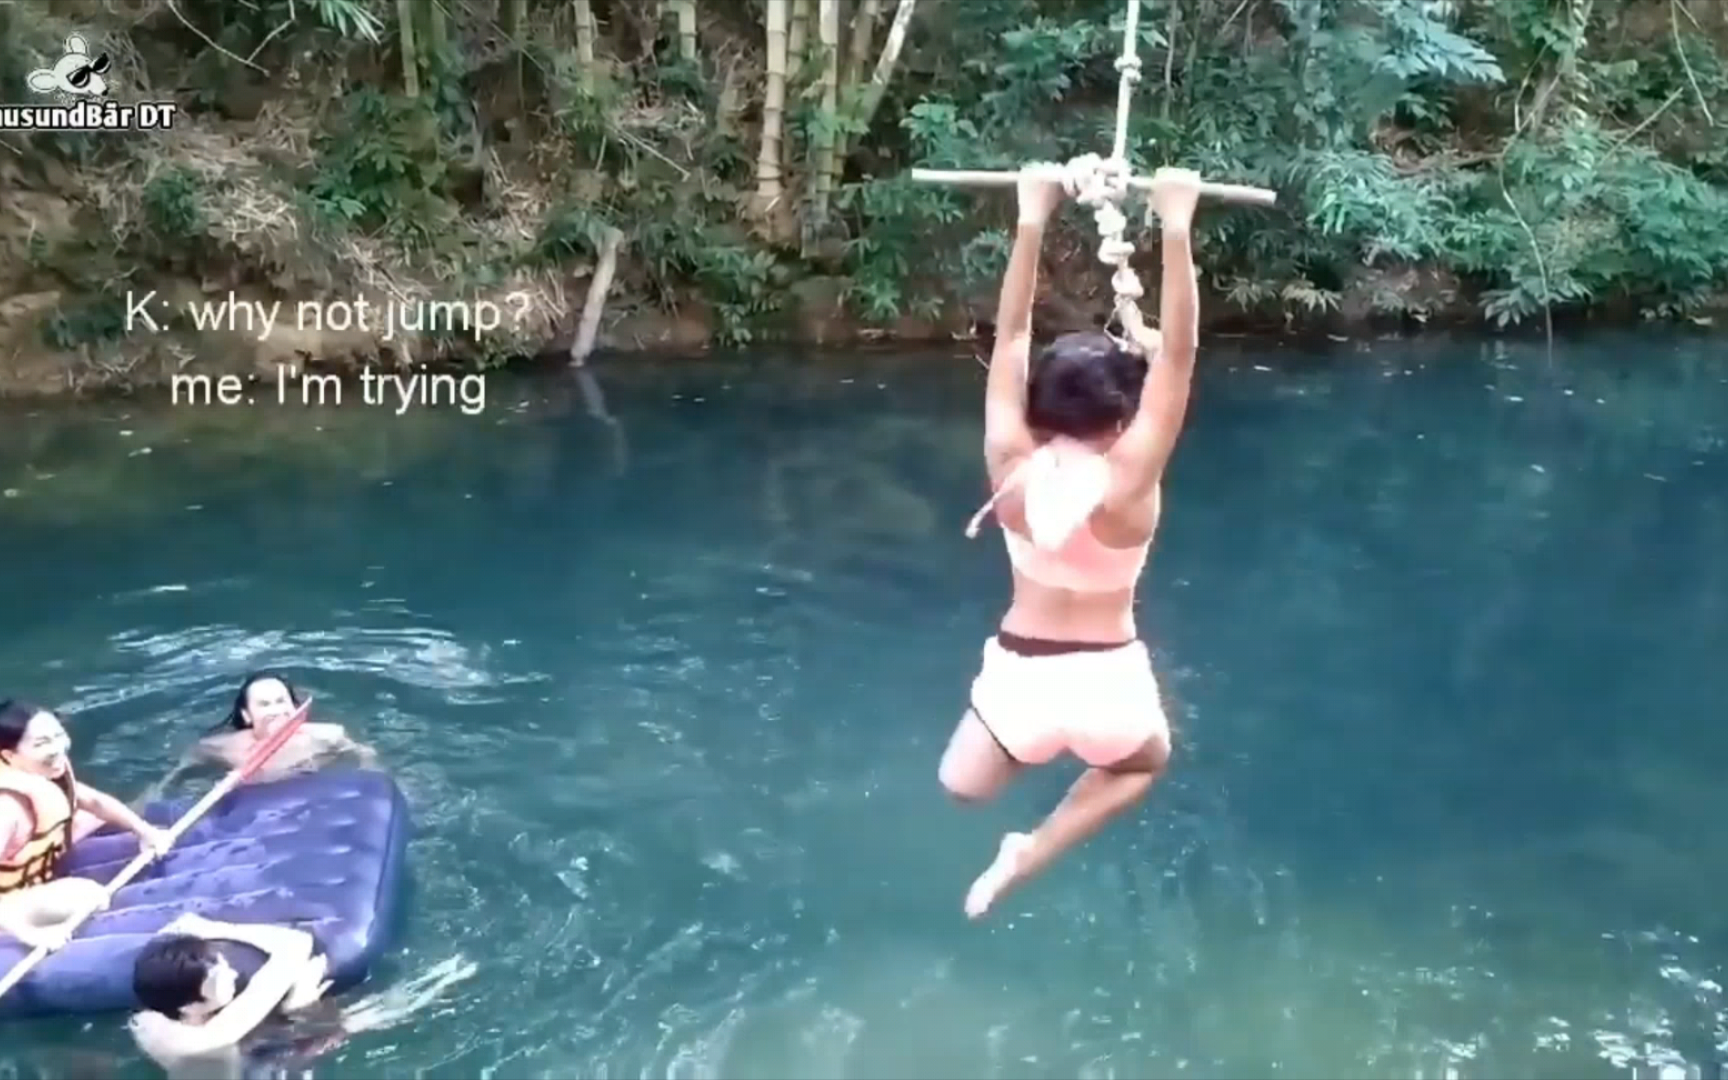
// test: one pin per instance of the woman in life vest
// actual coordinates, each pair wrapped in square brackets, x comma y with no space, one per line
[39,804]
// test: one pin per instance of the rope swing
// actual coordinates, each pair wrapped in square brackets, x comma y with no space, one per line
[1101,183]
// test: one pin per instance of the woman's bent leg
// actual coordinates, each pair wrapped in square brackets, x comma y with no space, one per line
[975,767]
[64,898]
[47,906]
[1099,795]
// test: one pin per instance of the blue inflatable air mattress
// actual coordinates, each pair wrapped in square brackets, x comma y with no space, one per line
[323,852]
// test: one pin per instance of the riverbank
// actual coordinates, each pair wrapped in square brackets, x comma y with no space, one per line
[267,323]
[465,174]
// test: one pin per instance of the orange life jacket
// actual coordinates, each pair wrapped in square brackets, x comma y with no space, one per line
[51,807]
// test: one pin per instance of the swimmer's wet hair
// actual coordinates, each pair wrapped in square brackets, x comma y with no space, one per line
[169,973]
[236,718]
[15,717]
[1082,385]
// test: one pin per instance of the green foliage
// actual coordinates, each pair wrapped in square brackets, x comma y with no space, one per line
[1609,221]
[173,210]
[677,246]
[347,18]
[674,188]
[881,258]
[382,167]
[1384,126]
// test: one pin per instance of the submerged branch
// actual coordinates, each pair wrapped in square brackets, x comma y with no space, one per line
[595,304]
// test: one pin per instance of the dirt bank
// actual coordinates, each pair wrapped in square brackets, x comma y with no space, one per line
[66,332]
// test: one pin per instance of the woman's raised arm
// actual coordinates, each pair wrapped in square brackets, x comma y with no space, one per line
[1006,437]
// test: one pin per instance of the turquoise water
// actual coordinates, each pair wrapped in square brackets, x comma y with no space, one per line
[1444,625]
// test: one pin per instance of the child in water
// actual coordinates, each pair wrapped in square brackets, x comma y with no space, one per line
[266,699]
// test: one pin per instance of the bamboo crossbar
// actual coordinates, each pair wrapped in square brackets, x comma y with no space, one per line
[1233,193]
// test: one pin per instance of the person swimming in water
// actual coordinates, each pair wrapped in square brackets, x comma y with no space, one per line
[264,700]
[198,1022]
[1076,440]
[44,811]
[195,1016]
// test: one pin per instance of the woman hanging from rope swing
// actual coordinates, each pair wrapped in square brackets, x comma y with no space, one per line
[1076,439]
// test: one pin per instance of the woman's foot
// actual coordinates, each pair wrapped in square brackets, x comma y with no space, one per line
[1000,875]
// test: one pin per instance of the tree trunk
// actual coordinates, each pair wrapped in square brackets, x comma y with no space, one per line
[768,187]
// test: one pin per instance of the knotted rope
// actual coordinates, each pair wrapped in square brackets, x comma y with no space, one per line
[1102,183]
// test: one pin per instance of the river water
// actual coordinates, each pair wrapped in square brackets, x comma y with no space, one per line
[1443,624]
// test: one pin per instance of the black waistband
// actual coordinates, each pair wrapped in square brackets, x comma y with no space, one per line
[1033,646]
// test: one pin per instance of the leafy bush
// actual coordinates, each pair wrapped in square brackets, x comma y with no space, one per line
[382,166]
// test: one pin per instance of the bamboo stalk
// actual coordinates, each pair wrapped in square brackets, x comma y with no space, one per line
[851,75]
[727,106]
[1231,193]
[410,53]
[437,32]
[797,51]
[858,44]
[828,32]
[585,45]
[885,63]
[593,307]
[687,29]
[798,35]
[1169,58]
[768,157]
